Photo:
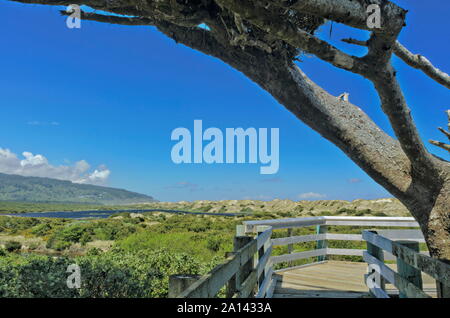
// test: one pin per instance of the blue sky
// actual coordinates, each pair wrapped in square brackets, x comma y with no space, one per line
[111,96]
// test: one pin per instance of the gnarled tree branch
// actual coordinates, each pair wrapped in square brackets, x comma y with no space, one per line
[350,12]
[422,63]
[288,32]
[112,19]
[416,61]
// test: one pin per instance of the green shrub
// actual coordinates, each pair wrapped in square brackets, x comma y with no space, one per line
[344,210]
[16,224]
[85,238]
[299,209]
[94,251]
[325,213]
[194,244]
[112,274]
[34,276]
[41,229]
[72,233]
[206,208]
[58,245]
[13,246]
[213,244]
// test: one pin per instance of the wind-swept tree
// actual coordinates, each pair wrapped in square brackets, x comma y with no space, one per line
[262,39]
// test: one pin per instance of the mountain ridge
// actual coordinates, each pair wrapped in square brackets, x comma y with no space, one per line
[39,189]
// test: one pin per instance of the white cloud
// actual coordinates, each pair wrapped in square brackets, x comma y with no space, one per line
[311,195]
[31,160]
[38,166]
[99,176]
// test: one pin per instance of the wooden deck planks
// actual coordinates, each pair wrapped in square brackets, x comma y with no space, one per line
[332,279]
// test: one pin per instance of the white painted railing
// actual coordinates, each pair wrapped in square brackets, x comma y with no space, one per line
[245,273]
[407,278]
[248,271]
[322,235]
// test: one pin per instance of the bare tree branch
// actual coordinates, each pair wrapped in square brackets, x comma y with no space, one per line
[374,66]
[112,19]
[446,133]
[395,107]
[440,144]
[165,10]
[341,122]
[422,63]
[351,12]
[355,41]
[293,35]
[355,13]
[414,60]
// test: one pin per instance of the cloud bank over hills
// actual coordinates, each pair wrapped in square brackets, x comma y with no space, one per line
[38,166]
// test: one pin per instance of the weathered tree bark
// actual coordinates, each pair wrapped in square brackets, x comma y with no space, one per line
[262,40]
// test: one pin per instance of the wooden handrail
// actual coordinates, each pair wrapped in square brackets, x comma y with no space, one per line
[431,266]
[322,222]
[408,282]
[250,226]
[248,271]
[209,285]
[299,255]
[395,279]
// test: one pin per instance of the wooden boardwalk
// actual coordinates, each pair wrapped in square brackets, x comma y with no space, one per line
[331,279]
[249,271]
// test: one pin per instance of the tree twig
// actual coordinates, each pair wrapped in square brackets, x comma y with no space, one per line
[416,61]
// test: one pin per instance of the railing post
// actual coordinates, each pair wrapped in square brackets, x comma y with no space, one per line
[179,283]
[290,247]
[443,291]
[261,252]
[234,285]
[405,270]
[378,253]
[321,229]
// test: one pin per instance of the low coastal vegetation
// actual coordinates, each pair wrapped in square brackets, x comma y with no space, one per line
[23,207]
[127,254]
[388,207]
[140,254]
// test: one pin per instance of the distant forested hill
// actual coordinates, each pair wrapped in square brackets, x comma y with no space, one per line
[35,189]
